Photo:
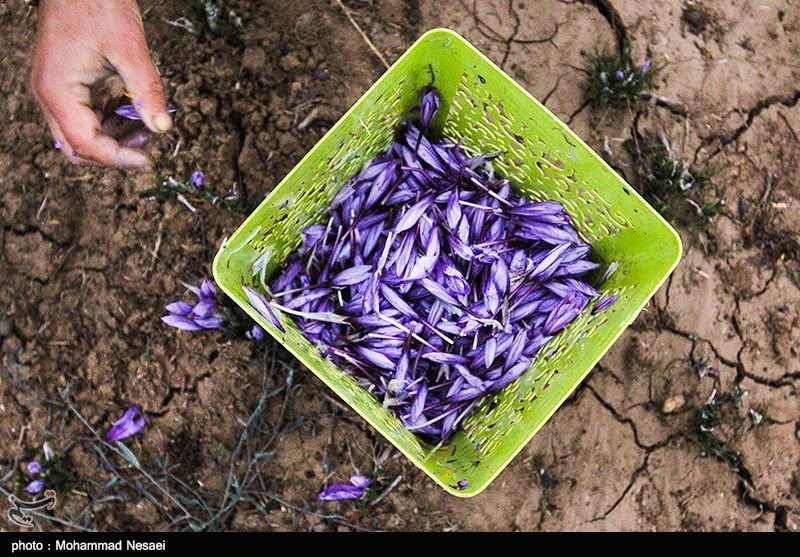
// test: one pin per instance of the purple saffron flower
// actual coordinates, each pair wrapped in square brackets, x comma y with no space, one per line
[197,317]
[36,486]
[129,111]
[258,333]
[34,468]
[198,179]
[645,66]
[462,484]
[131,423]
[620,74]
[58,144]
[356,489]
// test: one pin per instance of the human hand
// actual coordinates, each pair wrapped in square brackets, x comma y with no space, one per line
[80,43]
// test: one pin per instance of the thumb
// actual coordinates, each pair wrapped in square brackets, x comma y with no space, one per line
[143,82]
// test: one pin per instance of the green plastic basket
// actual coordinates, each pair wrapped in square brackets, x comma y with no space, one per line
[490,112]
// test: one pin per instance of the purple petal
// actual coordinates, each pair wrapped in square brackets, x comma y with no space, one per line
[204,308]
[353,275]
[208,289]
[261,305]
[182,323]
[429,105]
[36,486]
[341,492]
[360,481]
[258,333]
[210,323]
[129,111]
[413,214]
[439,292]
[419,401]
[604,303]
[198,179]
[376,358]
[34,468]
[131,423]
[180,308]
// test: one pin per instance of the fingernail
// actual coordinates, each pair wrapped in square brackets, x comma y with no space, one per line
[163,122]
[132,157]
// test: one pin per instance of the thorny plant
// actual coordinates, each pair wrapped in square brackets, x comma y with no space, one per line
[615,79]
[664,178]
[184,502]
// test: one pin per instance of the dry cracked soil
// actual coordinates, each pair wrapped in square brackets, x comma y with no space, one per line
[87,264]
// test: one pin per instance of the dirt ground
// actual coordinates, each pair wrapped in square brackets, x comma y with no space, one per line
[87,264]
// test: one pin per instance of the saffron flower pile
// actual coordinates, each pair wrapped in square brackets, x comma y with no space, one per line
[431,281]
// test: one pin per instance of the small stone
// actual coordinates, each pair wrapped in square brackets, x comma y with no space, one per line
[673,403]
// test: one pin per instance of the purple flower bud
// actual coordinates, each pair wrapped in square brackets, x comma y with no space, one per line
[429,105]
[198,179]
[131,423]
[58,144]
[645,66]
[34,468]
[36,486]
[462,484]
[619,74]
[258,333]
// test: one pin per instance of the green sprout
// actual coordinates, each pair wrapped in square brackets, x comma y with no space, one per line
[709,417]
[616,79]
[664,178]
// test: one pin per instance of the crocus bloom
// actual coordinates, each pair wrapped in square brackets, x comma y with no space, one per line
[198,179]
[196,317]
[129,111]
[36,486]
[34,468]
[645,66]
[131,423]
[620,74]
[356,489]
